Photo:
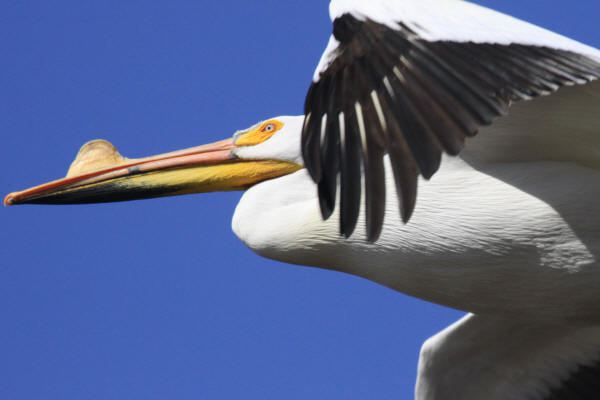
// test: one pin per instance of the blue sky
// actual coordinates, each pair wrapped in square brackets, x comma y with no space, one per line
[158,299]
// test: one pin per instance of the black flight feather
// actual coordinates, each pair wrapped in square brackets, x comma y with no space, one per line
[416,99]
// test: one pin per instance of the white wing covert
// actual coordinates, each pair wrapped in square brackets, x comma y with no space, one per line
[486,357]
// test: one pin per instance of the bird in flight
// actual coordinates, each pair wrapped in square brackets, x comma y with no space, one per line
[446,151]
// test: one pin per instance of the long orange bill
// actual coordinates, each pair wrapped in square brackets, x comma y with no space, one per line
[101,174]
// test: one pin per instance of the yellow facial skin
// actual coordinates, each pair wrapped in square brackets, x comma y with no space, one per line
[259,134]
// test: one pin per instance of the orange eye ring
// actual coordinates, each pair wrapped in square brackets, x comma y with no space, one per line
[259,134]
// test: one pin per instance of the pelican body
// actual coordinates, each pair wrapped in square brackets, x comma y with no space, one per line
[507,230]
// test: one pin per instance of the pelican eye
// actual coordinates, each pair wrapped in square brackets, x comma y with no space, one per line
[259,134]
[268,128]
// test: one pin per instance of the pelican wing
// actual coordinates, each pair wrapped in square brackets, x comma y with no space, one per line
[413,79]
[481,357]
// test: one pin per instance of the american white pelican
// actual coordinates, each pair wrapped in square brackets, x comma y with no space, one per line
[506,230]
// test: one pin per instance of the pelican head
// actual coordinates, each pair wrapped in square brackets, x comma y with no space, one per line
[98,174]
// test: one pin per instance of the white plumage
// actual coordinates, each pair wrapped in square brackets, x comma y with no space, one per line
[507,231]
[482,357]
